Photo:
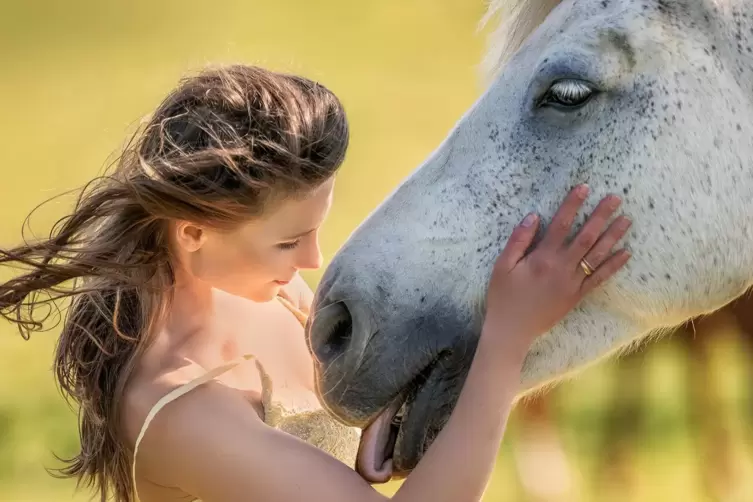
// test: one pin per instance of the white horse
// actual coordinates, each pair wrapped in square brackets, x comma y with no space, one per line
[650,99]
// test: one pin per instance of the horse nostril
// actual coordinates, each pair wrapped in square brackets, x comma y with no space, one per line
[331,332]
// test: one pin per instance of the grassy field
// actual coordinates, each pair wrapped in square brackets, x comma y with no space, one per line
[78,74]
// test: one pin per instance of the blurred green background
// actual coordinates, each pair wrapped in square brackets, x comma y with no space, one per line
[669,422]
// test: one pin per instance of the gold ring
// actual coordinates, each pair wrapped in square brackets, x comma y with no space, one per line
[587,268]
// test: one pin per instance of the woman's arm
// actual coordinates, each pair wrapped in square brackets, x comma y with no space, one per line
[212,445]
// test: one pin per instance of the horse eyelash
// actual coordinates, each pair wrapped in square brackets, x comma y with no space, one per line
[570,88]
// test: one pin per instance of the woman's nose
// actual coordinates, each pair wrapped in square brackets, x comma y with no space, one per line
[311,258]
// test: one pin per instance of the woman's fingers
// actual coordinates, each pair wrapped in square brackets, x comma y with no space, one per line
[612,264]
[562,222]
[600,251]
[591,251]
[592,230]
[519,242]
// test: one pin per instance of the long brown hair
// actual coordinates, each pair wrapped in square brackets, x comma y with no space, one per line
[217,150]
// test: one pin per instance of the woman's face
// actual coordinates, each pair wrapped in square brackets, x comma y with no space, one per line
[257,258]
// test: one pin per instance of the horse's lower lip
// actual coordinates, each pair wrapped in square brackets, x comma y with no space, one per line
[390,448]
[374,462]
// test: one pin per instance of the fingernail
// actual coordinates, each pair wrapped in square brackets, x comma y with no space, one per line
[583,190]
[528,220]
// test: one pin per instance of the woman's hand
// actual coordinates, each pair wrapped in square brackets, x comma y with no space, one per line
[529,293]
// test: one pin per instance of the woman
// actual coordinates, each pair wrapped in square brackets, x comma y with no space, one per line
[184,343]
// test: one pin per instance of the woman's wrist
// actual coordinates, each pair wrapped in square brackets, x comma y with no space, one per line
[506,342]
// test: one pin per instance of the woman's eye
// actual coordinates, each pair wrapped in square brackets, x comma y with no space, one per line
[288,245]
[567,94]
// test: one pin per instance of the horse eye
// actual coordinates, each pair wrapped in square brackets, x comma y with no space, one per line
[567,94]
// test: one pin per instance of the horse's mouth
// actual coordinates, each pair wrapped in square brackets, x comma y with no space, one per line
[394,442]
[377,448]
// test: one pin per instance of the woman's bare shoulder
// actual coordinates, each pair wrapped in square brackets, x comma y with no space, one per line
[170,431]
[147,386]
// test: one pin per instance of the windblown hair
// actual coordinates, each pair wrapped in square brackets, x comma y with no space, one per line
[222,147]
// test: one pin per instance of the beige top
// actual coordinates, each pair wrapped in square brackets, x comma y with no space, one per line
[313,425]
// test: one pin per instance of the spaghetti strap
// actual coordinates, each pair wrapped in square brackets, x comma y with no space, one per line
[175,394]
[206,377]
[288,304]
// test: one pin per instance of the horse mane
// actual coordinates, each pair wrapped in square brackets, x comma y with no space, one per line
[518,19]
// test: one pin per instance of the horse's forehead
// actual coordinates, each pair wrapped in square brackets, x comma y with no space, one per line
[636,28]
[677,13]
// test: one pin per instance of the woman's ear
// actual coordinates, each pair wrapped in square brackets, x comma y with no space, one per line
[189,236]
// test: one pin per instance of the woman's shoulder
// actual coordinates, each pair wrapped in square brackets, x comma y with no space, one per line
[168,411]
[148,386]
